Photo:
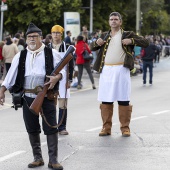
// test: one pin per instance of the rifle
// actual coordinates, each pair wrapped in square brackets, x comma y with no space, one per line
[38,101]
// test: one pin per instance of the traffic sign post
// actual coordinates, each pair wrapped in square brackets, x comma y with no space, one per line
[3,8]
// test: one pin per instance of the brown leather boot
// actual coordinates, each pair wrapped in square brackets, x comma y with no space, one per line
[36,148]
[106,114]
[55,166]
[52,142]
[36,163]
[124,118]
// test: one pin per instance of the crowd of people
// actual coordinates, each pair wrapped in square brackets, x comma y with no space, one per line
[117,55]
[12,45]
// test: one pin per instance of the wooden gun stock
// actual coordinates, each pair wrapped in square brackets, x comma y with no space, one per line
[38,101]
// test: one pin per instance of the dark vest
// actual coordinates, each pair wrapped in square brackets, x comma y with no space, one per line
[71,62]
[19,82]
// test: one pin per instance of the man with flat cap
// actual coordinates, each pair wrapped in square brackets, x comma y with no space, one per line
[64,85]
[28,71]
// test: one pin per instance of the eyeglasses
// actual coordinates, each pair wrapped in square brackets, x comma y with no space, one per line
[33,36]
[58,33]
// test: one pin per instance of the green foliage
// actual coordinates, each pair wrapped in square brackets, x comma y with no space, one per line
[47,13]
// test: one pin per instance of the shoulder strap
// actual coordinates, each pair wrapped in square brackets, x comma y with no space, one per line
[62,47]
[48,60]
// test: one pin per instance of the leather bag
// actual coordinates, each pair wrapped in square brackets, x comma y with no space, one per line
[86,54]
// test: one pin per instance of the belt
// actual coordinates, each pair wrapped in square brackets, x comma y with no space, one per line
[113,64]
[36,90]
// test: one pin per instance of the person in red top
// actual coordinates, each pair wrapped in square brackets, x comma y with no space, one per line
[81,63]
[1,58]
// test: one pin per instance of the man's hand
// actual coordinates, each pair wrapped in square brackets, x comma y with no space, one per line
[100,42]
[126,41]
[2,95]
[53,80]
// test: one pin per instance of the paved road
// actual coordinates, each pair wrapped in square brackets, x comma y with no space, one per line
[148,148]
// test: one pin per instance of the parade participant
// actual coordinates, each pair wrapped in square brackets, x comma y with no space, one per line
[114,62]
[28,71]
[59,45]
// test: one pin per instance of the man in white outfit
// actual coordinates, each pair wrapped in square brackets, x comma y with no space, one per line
[64,85]
[114,62]
[28,72]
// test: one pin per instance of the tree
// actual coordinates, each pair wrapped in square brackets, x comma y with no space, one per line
[44,13]
[167,6]
[47,13]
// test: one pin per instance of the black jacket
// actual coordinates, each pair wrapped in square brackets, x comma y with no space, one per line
[129,60]
[149,52]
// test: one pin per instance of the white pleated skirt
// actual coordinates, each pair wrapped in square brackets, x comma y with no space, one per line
[114,84]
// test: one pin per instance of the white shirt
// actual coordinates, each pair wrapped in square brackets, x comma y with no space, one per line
[115,53]
[35,66]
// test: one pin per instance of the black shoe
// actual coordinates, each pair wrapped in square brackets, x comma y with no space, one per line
[94,87]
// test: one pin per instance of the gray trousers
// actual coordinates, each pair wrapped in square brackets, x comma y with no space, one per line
[80,72]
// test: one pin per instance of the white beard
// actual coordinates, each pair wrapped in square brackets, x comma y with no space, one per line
[32,47]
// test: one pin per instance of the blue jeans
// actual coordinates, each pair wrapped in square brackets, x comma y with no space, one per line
[147,64]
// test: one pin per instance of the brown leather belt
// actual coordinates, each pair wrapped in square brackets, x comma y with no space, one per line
[36,90]
[114,64]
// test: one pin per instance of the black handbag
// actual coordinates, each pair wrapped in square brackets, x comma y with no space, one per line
[86,54]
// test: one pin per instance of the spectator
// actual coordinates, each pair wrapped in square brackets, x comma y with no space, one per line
[68,39]
[85,32]
[81,63]
[158,51]
[21,44]
[21,34]
[137,51]
[1,59]
[148,58]
[16,38]
[9,51]
[94,53]
[74,40]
